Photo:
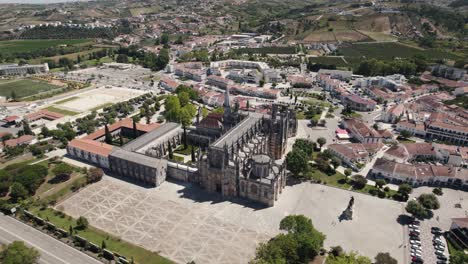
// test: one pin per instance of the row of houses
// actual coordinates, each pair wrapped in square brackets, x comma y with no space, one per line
[420,174]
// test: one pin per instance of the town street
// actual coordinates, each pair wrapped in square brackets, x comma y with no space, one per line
[52,251]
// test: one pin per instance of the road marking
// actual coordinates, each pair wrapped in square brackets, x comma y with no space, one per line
[34,245]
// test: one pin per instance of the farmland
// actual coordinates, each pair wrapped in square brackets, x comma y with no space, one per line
[390,50]
[21,46]
[25,87]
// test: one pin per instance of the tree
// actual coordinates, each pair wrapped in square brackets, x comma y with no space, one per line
[438,191]
[351,258]
[379,183]
[248,105]
[107,134]
[405,189]
[103,244]
[62,172]
[405,134]
[429,201]
[18,253]
[135,131]
[94,175]
[417,210]
[82,223]
[348,172]
[300,244]
[122,58]
[183,98]
[335,162]
[164,39]
[385,258]
[305,145]
[17,191]
[45,131]
[321,141]
[193,154]
[169,147]
[296,161]
[336,251]
[26,128]
[359,181]
[459,257]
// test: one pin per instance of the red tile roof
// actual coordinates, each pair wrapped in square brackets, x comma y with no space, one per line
[44,113]
[91,146]
[19,141]
[127,123]
[10,118]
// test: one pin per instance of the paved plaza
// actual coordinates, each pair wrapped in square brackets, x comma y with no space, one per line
[185,223]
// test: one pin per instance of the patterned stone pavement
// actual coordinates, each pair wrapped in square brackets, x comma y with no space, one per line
[178,231]
[184,223]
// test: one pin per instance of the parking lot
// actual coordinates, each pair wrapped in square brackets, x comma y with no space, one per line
[185,223]
[454,204]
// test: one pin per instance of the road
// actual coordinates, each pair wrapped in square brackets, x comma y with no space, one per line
[52,251]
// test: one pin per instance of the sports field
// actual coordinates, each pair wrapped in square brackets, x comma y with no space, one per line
[14,46]
[24,88]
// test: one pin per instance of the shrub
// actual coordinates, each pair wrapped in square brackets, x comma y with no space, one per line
[359,182]
[438,191]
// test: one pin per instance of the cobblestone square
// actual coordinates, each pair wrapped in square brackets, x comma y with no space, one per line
[184,223]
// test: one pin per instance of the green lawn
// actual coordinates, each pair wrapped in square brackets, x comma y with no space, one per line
[61,111]
[338,180]
[187,151]
[96,236]
[14,46]
[25,87]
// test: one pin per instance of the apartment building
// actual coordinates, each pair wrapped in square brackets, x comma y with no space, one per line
[15,69]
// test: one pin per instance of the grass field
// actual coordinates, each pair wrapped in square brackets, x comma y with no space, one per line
[338,61]
[25,87]
[14,46]
[61,111]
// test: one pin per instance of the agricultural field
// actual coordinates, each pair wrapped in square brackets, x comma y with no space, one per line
[337,61]
[17,46]
[390,50]
[71,56]
[25,87]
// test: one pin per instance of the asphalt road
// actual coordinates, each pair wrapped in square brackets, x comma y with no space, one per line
[52,251]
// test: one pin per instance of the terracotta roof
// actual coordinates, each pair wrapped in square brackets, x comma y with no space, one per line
[19,141]
[127,123]
[91,146]
[10,118]
[44,113]
[358,126]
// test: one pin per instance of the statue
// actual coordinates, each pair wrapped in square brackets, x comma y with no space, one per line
[348,212]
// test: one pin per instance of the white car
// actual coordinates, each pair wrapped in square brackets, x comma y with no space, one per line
[415,242]
[413,226]
[439,247]
[437,240]
[415,230]
[416,250]
[415,246]
[415,254]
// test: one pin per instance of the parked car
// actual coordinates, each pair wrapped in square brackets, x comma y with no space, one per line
[442,257]
[439,253]
[417,260]
[415,254]
[415,242]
